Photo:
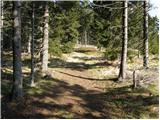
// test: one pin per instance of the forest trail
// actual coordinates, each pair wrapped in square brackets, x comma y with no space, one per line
[83,85]
[78,72]
[80,87]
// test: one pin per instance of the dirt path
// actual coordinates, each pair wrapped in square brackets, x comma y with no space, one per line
[74,91]
[81,76]
[82,86]
[78,71]
[77,90]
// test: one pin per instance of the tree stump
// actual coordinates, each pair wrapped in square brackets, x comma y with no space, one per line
[135,80]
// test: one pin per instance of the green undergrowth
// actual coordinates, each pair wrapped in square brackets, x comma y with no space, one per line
[125,102]
[40,87]
[40,82]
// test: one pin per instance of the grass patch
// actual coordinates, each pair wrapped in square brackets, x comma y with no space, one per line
[5,87]
[86,49]
[131,104]
[63,113]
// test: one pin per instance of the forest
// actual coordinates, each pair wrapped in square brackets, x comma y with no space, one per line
[79,59]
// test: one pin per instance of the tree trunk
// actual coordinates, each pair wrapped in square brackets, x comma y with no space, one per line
[123,64]
[138,53]
[81,39]
[45,42]
[77,42]
[17,63]
[145,35]
[32,49]
[134,79]
[85,37]
[29,44]
[41,40]
[1,44]
[88,38]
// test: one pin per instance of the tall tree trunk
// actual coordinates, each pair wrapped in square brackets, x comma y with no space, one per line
[123,65]
[17,63]
[77,42]
[145,35]
[45,42]
[29,44]
[32,49]
[81,39]
[88,38]
[1,44]
[40,28]
[85,37]
[138,53]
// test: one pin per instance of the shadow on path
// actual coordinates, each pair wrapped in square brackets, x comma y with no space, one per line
[58,99]
[87,78]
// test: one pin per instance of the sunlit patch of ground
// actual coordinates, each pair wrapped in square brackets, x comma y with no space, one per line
[83,85]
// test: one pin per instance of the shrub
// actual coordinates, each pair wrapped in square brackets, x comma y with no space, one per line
[131,54]
[68,47]
[154,49]
[86,49]
[54,48]
[112,54]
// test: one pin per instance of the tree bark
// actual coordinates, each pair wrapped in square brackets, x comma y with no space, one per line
[134,79]
[1,44]
[88,37]
[138,53]
[29,44]
[145,36]
[123,65]
[32,49]
[85,37]
[45,42]
[17,63]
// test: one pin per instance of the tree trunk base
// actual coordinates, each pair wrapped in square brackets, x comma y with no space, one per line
[32,84]
[120,79]
[145,67]
[136,83]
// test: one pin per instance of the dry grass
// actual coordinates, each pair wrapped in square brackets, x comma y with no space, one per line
[82,86]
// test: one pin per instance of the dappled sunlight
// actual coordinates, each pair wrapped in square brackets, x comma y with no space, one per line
[85,59]
[82,86]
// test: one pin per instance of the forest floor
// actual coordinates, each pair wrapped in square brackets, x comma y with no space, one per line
[84,85]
